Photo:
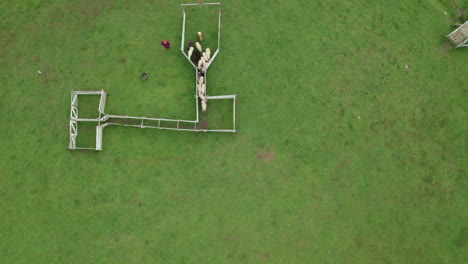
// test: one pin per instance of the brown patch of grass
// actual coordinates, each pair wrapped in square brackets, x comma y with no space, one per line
[89,64]
[203,122]
[449,189]
[445,47]
[344,163]
[48,77]
[7,39]
[345,86]
[459,15]
[266,155]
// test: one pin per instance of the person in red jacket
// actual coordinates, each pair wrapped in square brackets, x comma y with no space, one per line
[166,44]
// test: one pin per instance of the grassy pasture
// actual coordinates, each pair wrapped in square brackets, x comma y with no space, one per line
[343,154]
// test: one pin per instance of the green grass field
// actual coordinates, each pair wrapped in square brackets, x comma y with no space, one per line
[342,155]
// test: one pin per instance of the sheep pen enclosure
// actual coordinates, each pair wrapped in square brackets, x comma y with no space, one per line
[202,99]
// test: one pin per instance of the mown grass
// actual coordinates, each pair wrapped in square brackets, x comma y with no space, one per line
[343,155]
[88,106]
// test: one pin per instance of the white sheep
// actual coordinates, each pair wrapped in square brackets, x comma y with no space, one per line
[202,97]
[208,53]
[201,71]
[201,80]
[200,64]
[198,46]
[203,106]
[200,36]
[203,88]
[205,56]
[190,52]
[200,91]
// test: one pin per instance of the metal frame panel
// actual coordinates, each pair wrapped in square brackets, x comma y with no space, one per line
[234,114]
[89,92]
[99,137]
[73,134]
[200,4]
[233,96]
[74,112]
[196,95]
[74,100]
[219,41]
[74,117]
[149,118]
[102,102]
[463,43]
[182,42]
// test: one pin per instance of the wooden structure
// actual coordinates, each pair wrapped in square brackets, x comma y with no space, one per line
[459,37]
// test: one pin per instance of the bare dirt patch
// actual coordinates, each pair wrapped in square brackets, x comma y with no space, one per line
[48,76]
[459,14]
[203,122]
[445,46]
[266,155]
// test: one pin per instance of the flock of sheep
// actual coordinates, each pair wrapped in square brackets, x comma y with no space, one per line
[200,58]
